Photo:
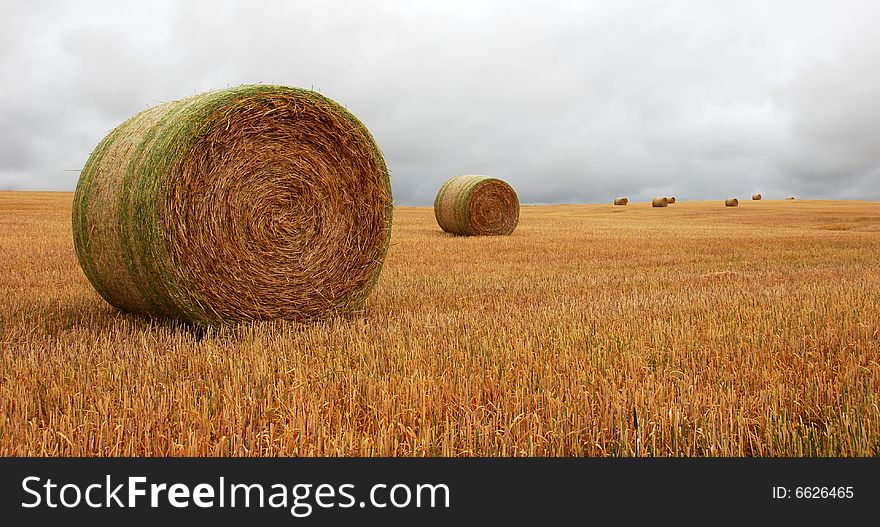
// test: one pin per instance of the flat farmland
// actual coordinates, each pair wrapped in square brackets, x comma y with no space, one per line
[690,330]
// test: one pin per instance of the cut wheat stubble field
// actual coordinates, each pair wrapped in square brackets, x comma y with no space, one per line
[592,330]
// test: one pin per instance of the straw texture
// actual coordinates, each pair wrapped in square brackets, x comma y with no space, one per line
[477,206]
[256,202]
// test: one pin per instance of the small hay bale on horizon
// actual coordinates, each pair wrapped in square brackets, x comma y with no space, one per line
[731,202]
[257,202]
[474,205]
[659,202]
[621,201]
[790,198]
[670,199]
[756,197]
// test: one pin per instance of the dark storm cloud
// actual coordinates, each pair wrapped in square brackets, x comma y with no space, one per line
[570,102]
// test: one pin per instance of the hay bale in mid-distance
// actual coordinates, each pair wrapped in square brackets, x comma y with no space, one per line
[790,198]
[472,205]
[670,200]
[756,197]
[621,201]
[659,202]
[731,202]
[249,203]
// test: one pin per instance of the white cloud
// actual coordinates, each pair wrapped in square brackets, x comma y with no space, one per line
[575,101]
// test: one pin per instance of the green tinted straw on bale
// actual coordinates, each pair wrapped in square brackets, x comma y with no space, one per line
[477,206]
[251,203]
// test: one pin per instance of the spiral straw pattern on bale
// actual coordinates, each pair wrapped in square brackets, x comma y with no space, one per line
[659,202]
[250,203]
[731,202]
[621,201]
[477,206]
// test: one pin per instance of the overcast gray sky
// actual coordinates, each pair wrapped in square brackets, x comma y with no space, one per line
[568,101]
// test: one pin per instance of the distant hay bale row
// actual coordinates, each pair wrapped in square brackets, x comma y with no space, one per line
[474,205]
[756,197]
[255,202]
[731,202]
[621,201]
[659,202]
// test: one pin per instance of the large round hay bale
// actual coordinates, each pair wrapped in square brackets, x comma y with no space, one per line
[670,199]
[731,202]
[660,202]
[477,206]
[621,201]
[756,197]
[250,203]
